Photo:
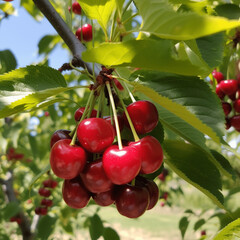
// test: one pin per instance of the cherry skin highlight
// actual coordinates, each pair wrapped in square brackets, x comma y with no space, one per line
[229,87]
[58,135]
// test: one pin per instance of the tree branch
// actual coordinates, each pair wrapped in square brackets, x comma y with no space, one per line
[11,197]
[66,34]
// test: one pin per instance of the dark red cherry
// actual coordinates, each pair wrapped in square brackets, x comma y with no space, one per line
[227,108]
[144,116]
[229,87]
[76,8]
[41,211]
[151,153]
[236,105]
[219,92]
[94,177]
[121,166]
[58,135]
[132,201]
[44,192]
[104,198]
[95,134]
[18,220]
[67,161]
[227,123]
[235,121]
[84,32]
[118,84]
[218,76]
[50,183]
[75,194]
[79,112]
[163,174]
[46,202]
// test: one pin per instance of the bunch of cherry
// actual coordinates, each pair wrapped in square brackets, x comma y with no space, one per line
[45,192]
[95,162]
[229,93]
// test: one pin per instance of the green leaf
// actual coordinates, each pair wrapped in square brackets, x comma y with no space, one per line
[110,234]
[198,224]
[34,146]
[142,54]
[228,10]
[101,10]
[183,225]
[48,43]
[230,232]
[7,61]
[7,7]
[160,19]
[191,92]
[46,226]
[32,9]
[96,227]
[24,88]
[212,48]
[11,210]
[195,167]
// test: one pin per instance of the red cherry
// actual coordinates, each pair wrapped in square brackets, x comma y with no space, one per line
[46,114]
[44,192]
[104,198]
[120,121]
[85,31]
[236,105]
[227,123]
[151,153]
[46,202]
[132,201]
[144,116]
[163,174]
[79,112]
[67,161]
[219,92]
[18,220]
[75,194]
[95,134]
[41,211]
[152,188]
[49,183]
[165,196]
[76,8]
[229,87]
[7,0]
[218,76]
[94,177]
[121,166]
[118,84]
[203,233]
[162,204]
[227,108]
[58,135]
[235,122]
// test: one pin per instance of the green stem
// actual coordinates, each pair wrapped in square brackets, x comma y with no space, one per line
[91,105]
[93,37]
[100,102]
[136,138]
[131,17]
[133,182]
[115,116]
[112,26]
[126,7]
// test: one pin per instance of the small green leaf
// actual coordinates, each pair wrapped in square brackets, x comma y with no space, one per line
[198,224]
[48,43]
[32,9]
[183,225]
[160,18]
[195,167]
[228,10]
[7,61]
[110,234]
[230,232]
[46,226]
[11,210]
[96,227]
[34,146]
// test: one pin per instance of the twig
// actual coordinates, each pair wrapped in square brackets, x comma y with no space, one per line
[66,34]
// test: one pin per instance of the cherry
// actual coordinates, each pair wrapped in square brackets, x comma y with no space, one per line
[94,177]
[229,87]
[8,0]
[18,220]
[41,211]
[49,183]
[219,92]
[235,122]
[44,192]
[227,123]
[104,198]
[76,8]
[58,135]
[236,105]
[95,134]
[132,201]
[75,194]
[120,121]
[79,112]
[152,188]
[85,31]
[144,116]
[165,196]
[46,202]
[46,114]
[67,161]
[218,76]
[151,153]
[163,174]
[203,233]
[227,108]
[121,166]
[118,84]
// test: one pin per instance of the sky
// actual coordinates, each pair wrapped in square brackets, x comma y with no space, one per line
[20,33]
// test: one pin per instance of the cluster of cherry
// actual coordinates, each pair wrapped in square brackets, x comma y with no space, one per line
[229,93]
[93,165]
[45,192]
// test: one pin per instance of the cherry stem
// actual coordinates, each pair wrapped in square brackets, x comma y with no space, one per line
[115,116]
[74,132]
[136,138]
[133,182]
[100,102]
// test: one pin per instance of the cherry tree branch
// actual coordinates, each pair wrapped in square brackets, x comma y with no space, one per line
[75,46]
[24,225]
